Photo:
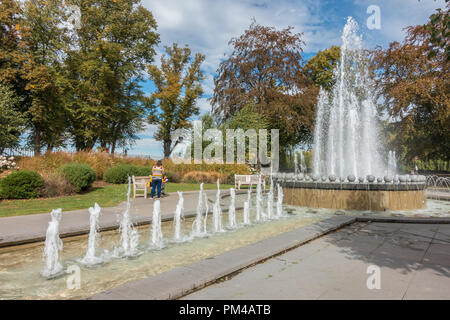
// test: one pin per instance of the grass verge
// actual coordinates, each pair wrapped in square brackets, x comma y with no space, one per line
[105,196]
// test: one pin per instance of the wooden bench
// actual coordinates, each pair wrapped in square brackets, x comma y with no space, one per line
[248,179]
[140,183]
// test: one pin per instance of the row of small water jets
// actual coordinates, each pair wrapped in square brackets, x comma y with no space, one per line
[129,237]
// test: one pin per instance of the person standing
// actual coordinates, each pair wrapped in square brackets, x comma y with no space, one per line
[157,173]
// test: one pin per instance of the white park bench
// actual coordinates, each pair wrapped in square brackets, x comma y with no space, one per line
[140,183]
[248,179]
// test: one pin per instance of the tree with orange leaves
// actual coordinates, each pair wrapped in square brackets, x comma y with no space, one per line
[416,88]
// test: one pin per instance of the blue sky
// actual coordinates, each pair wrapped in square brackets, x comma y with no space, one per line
[208,25]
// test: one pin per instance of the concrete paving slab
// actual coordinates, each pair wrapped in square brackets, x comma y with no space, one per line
[335,267]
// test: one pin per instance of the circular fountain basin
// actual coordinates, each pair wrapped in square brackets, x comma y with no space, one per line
[373,196]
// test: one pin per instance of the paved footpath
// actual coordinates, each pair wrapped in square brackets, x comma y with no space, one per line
[31,228]
[414,262]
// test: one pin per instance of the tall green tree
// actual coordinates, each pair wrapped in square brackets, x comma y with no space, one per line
[321,67]
[112,47]
[44,41]
[30,51]
[178,83]
[12,121]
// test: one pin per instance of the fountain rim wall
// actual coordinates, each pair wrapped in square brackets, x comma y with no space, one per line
[371,186]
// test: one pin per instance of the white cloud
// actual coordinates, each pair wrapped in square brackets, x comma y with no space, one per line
[204,105]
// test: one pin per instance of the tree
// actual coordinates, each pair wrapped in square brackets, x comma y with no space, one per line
[10,57]
[439,26]
[43,41]
[321,67]
[12,121]
[265,69]
[415,88]
[29,62]
[112,48]
[178,84]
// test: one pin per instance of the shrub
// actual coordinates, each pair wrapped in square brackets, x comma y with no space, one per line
[143,171]
[56,185]
[206,177]
[119,174]
[23,184]
[81,176]
[173,177]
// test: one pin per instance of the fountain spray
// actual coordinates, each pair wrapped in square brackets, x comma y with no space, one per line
[279,201]
[259,210]
[270,200]
[157,236]
[197,226]
[129,237]
[247,206]
[90,258]
[217,212]
[178,216]
[232,210]
[53,244]
[295,163]
[206,215]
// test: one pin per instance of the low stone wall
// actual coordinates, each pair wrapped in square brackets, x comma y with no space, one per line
[377,197]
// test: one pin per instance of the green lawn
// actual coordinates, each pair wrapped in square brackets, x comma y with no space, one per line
[107,196]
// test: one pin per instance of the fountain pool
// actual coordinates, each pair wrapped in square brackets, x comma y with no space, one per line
[20,266]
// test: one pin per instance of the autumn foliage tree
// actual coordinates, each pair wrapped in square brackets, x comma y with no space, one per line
[416,87]
[178,87]
[264,68]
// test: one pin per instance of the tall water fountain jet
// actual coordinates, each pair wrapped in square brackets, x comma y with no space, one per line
[178,216]
[259,211]
[247,203]
[270,200]
[232,210]
[205,232]
[157,236]
[302,162]
[322,103]
[279,201]
[217,211]
[197,225]
[53,245]
[295,163]
[90,258]
[346,136]
[129,238]
[392,164]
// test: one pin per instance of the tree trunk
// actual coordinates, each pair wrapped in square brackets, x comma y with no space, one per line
[167,143]
[37,140]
